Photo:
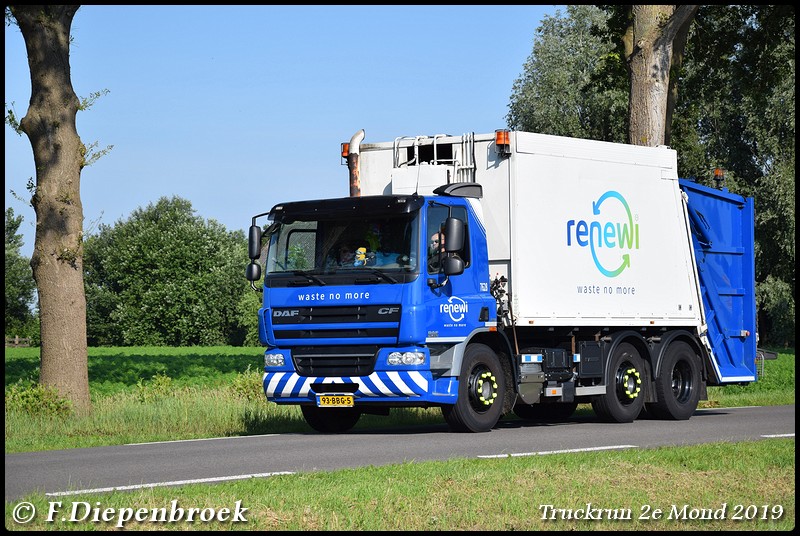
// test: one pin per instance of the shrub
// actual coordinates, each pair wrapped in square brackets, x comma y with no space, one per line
[777,322]
[159,387]
[36,400]
[248,386]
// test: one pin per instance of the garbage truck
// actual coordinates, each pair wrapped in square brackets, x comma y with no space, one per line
[505,273]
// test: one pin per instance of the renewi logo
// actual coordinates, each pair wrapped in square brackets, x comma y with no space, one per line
[455,307]
[610,237]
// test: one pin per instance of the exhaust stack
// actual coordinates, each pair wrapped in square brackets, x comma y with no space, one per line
[352,163]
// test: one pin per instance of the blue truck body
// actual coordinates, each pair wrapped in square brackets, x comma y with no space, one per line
[723,237]
[385,317]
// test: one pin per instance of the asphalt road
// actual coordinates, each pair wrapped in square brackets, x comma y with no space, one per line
[65,472]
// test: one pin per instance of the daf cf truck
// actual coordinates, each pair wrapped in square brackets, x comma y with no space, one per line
[508,272]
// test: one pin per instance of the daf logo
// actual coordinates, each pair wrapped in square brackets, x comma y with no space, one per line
[388,310]
[287,313]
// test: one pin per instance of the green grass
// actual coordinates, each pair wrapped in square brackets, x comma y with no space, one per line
[159,394]
[752,479]
[116,369]
[775,386]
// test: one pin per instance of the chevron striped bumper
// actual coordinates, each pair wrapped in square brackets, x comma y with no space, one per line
[414,387]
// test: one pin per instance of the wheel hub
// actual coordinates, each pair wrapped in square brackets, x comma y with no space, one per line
[681,382]
[630,383]
[484,389]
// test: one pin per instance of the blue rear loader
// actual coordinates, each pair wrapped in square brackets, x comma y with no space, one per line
[722,238]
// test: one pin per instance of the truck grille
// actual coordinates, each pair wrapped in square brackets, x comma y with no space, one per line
[334,360]
[336,341]
[335,315]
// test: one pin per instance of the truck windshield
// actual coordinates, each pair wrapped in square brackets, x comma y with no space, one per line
[354,245]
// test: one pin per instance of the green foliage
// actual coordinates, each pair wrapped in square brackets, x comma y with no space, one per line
[158,387]
[736,111]
[249,386]
[775,385]
[114,370]
[11,115]
[298,259]
[36,400]
[88,102]
[559,90]
[20,286]
[91,154]
[164,277]
[247,311]
[777,305]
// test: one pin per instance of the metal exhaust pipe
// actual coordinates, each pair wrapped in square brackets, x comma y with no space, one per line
[352,163]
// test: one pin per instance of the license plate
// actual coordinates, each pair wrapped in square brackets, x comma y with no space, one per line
[335,401]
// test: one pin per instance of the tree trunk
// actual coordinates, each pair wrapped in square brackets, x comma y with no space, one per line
[655,28]
[678,48]
[58,153]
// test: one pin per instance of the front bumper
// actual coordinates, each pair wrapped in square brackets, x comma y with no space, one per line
[412,387]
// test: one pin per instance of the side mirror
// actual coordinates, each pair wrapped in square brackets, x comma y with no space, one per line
[450,266]
[453,266]
[254,243]
[453,235]
[253,272]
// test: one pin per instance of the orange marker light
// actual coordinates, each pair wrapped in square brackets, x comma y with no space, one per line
[502,140]
[501,137]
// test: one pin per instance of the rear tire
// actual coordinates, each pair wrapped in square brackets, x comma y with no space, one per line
[678,383]
[481,390]
[330,420]
[624,399]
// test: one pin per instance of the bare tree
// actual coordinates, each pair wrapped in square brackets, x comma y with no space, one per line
[654,44]
[59,156]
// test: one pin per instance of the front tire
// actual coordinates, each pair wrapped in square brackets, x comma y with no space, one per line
[624,399]
[678,384]
[331,420]
[481,390]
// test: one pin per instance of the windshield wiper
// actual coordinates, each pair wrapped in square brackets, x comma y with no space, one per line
[379,273]
[310,277]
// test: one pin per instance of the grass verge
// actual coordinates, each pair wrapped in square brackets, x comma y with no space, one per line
[742,486]
[154,394]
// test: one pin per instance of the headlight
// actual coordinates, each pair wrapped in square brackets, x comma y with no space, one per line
[274,360]
[406,358]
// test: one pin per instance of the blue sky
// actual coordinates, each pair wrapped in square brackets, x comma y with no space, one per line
[237,108]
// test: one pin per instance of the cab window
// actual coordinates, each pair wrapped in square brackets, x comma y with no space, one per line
[437,215]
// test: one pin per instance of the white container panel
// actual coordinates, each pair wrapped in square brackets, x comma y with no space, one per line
[600,241]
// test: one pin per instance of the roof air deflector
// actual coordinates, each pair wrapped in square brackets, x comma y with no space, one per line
[460,189]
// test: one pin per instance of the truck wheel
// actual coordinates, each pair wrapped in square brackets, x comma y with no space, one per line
[481,389]
[624,399]
[678,384]
[331,420]
[552,412]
